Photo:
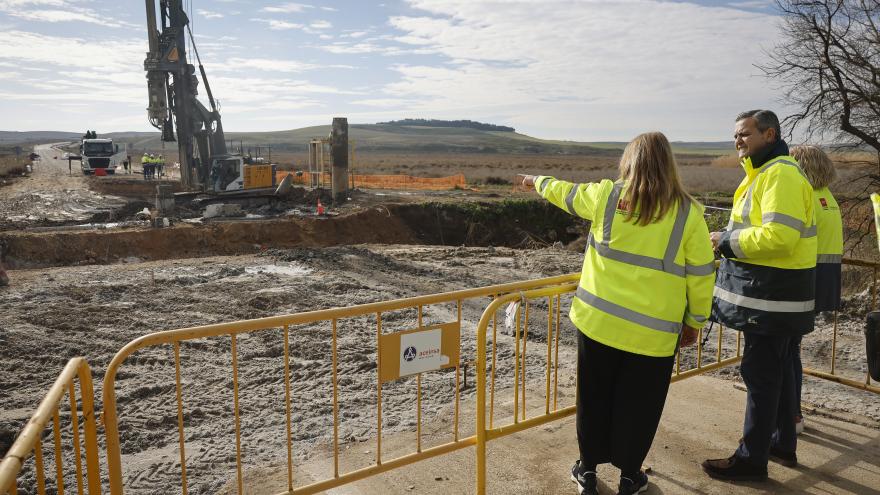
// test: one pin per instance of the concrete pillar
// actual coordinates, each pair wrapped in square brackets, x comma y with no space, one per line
[339,156]
[313,163]
[165,200]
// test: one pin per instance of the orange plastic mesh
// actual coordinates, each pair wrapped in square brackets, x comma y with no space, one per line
[383,181]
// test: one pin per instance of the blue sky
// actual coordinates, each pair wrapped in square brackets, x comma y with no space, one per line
[582,70]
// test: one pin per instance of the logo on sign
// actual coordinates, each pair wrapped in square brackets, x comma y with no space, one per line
[409,353]
[824,203]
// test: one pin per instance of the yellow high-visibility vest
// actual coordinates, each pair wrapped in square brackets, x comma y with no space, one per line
[766,283]
[639,284]
[829,250]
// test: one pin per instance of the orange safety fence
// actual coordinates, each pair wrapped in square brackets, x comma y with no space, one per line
[381,181]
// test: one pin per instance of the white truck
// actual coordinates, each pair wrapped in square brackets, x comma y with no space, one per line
[97,154]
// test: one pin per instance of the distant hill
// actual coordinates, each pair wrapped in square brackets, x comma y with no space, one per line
[468,124]
[395,137]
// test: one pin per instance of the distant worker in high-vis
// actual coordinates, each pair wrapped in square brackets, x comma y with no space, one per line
[766,289]
[645,289]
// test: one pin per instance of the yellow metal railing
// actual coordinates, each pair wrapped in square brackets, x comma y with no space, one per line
[30,440]
[550,410]
[832,374]
[690,362]
[174,338]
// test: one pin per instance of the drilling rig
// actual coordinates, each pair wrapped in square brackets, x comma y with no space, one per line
[172,86]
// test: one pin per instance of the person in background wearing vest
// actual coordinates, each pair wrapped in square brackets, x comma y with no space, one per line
[821,173]
[645,288]
[765,289]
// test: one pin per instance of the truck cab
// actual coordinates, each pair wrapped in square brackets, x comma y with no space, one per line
[97,153]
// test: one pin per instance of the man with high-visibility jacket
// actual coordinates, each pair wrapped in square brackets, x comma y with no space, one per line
[765,288]
[646,283]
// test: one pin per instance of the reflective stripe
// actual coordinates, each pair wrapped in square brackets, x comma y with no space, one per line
[627,314]
[734,244]
[543,184]
[634,259]
[667,264]
[696,318]
[608,217]
[569,200]
[829,258]
[747,206]
[700,270]
[676,236]
[764,304]
[783,219]
[789,221]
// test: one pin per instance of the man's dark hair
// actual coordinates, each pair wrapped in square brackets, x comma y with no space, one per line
[765,119]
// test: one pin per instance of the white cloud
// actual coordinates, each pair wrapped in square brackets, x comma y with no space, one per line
[320,25]
[329,9]
[275,65]
[114,55]
[383,102]
[593,64]
[58,11]
[277,25]
[288,8]
[207,14]
[357,34]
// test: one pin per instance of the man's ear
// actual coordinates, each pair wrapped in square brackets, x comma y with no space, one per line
[770,135]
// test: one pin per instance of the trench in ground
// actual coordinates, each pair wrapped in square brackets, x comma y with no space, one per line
[508,223]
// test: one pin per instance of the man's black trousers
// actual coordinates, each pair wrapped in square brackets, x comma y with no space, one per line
[771,402]
[619,403]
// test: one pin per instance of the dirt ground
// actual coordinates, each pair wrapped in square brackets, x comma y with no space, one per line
[367,251]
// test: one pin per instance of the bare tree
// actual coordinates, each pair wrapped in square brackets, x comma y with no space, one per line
[829,67]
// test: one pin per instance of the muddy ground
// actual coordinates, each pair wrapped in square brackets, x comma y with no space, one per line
[85,291]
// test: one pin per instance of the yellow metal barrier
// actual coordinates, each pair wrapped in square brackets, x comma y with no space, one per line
[232,330]
[689,362]
[30,442]
[487,430]
[831,374]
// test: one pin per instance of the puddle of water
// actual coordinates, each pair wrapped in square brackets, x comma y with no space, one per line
[289,270]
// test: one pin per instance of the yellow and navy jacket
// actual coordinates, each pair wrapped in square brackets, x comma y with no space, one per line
[639,284]
[766,281]
[829,250]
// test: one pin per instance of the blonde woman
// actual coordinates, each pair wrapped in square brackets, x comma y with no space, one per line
[645,288]
[820,171]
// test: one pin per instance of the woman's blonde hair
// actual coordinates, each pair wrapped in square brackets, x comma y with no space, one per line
[816,165]
[649,168]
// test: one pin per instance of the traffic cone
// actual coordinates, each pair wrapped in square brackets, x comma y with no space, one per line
[320,208]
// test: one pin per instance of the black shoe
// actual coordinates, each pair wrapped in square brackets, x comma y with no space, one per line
[628,486]
[787,459]
[734,469]
[586,480]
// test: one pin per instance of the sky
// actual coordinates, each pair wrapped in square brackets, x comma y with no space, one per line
[580,70]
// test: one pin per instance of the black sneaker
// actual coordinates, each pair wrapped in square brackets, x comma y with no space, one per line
[586,480]
[628,486]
